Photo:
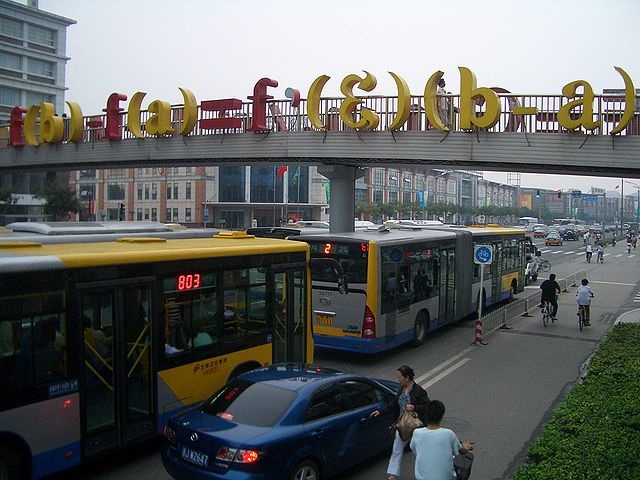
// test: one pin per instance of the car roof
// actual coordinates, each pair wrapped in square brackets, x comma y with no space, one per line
[295,376]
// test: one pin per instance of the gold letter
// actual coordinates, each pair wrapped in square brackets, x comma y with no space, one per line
[404,103]
[76,131]
[368,120]
[30,119]
[468,93]
[51,125]
[313,102]
[585,102]
[190,111]
[431,102]
[629,102]
[133,114]
[160,123]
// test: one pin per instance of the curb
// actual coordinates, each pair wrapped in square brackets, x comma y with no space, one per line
[632,316]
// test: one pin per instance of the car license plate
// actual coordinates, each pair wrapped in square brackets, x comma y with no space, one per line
[324,319]
[198,458]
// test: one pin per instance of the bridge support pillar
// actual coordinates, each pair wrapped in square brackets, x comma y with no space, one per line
[342,197]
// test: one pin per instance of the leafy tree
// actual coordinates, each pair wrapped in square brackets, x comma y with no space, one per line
[60,201]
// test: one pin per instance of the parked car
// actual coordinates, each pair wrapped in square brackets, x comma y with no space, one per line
[553,238]
[569,234]
[281,421]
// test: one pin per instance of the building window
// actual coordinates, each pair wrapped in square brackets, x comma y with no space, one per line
[146,214]
[42,36]
[115,191]
[187,193]
[298,184]
[138,214]
[35,98]
[168,215]
[175,191]
[146,191]
[406,197]
[187,170]
[117,173]
[154,214]
[378,176]
[40,67]
[393,178]
[9,96]
[393,196]
[266,186]
[168,193]
[231,183]
[139,191]
[419,182]
[10,61]
[175,215]
[377,196]
[361,195]
[187,214]
[10,28]
[154,191]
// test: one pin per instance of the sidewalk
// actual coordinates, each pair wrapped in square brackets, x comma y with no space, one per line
[632,316]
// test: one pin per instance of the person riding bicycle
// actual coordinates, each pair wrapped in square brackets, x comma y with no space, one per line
[589,252]
[584,294]
[629,241]
[600,253]
[550,290]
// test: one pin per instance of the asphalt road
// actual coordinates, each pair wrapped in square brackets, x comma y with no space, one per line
[498,395]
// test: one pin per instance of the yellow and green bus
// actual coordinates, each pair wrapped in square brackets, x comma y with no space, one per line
[104,335]
[406,282]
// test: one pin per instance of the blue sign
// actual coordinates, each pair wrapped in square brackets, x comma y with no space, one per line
[483,254]
[206,214]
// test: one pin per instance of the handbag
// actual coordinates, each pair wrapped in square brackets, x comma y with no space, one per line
[462,465]
[407,422]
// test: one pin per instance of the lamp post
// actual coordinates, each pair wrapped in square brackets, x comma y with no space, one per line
[637,202]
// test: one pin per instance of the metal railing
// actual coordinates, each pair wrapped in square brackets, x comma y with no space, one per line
[283,116]
[523,306]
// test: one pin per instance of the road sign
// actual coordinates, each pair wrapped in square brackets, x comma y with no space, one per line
[483,254]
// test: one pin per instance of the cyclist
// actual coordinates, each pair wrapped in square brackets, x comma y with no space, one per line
[584,294]
[600,254]
[550,290]
[629,244]
[589,252]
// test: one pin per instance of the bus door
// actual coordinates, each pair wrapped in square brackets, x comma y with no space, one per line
[290,318]
[496,273]
[117,370]
[447,282]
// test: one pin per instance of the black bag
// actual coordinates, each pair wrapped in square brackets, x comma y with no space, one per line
[462,465]
[407,423]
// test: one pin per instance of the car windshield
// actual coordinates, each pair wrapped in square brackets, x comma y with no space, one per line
[244,402]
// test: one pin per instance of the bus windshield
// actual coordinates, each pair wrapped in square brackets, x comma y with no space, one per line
[352,257]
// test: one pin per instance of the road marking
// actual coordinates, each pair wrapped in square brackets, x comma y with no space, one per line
[614,283]
[568,253]
[443,364]
[556,252]
[452,368]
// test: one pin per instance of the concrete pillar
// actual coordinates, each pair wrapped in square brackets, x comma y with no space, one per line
[342,201]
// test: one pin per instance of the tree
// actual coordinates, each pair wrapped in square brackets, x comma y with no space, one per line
[60,201]
[6,202]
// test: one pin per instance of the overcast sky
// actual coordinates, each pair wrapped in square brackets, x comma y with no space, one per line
[220,48]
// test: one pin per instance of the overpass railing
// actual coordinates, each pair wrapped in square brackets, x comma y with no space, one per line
[283,116]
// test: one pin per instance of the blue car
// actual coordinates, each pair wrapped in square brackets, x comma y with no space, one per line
[284,421]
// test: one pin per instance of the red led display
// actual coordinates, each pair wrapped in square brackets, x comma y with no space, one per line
[188,281]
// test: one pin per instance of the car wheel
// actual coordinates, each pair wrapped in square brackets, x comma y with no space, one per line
[11,467]
[305,470]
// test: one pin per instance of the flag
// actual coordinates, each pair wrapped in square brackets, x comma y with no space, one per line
[281,170]
[296,176]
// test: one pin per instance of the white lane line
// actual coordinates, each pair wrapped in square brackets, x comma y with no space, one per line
[437,368]
[568,253]
[452,368]
[556,252]
[614,283]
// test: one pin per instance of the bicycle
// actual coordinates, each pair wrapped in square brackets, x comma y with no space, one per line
[547,309]
[582,316]
[545,265]
[600,258]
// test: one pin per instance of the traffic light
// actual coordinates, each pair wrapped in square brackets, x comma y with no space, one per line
[537,193]
[559,193]
[121,212]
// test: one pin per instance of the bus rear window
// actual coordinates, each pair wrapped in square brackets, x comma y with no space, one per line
[352,257]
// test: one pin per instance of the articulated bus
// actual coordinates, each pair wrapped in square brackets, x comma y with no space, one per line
[102,339]
[403,284]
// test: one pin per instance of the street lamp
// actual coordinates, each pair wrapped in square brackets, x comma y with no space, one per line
[638,201]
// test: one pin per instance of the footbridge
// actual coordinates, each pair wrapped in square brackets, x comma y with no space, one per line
[581,134]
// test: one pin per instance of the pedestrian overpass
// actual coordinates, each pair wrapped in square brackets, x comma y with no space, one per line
[597,136]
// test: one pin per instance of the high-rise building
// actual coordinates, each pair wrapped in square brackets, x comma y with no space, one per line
[32,70]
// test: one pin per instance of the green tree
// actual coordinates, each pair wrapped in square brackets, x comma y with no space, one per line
[60,201]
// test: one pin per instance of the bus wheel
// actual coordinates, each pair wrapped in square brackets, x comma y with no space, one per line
[11,467]
[420,329]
